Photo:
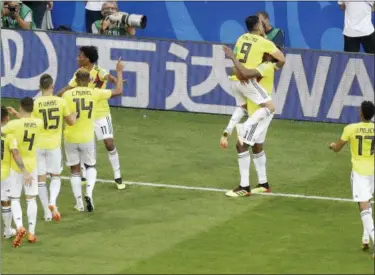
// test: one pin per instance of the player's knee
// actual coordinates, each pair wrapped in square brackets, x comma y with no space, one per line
[364,206]
[42,178]
[5,203]
[75,169]
[257,148]
[109,144]
[241,148]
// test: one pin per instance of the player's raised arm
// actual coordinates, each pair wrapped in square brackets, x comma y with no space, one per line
[119,83]
[63,90]
[13,112]
[280,57]
[240,69]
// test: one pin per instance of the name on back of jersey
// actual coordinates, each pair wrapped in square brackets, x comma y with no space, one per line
[365,131]
[49,103]
[81,93]
[30,125]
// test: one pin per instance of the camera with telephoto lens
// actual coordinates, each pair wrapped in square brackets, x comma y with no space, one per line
[12,9]
[132,20]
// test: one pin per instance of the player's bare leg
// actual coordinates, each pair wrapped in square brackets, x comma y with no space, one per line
[17,218]
[259,158]
[6,212]
[43,196]
[367,219]
[91,174]
[75,180]
[115,162]
[54,187]
[243,189]
[366,235]
[32,210]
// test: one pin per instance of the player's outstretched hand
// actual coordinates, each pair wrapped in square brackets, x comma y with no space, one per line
[332,145]
[12,111]
[27,178]
[119,65]
[228,52]
[224,142]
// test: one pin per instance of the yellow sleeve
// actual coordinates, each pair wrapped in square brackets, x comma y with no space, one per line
[66,110]
[12,142]
[103,94]
[102,74]
[9,128]
[73,83]
[347,133]
[269,46]
[237,46]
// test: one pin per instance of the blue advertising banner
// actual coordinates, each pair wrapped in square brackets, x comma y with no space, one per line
[190,76]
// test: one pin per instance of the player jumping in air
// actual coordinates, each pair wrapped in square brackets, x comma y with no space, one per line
[265,72]
[361,138]
[249,52]
[87,58]
[79,139]
[26,130]
[9,149]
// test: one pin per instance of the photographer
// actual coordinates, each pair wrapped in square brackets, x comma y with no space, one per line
[109,27]
[16,15]
[274,34]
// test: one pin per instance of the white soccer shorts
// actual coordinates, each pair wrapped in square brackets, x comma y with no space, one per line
[5,189]
[251,90]
[18,182]
[257,133]
[362,187]
[49,161]
[103,128]
[77,152]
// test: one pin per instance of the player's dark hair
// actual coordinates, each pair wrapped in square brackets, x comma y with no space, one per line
[367,109]
[90,52]
[264,14]
[83,75]
[27,104]
[4,113]
[45,81]
[251,22]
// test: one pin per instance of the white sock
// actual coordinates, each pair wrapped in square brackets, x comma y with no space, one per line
[260,166]
[368,223]
[17,212]
[244,165]
[75,180]
[366,235]
[32,211]
[54,189]
[91,180]
[83,170]
[115,162]
[43,196]
[6,211]
[257,116]
[238,114]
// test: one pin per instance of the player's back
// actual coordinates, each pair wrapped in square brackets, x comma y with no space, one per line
[84,101]
[361,138]
[26,131]
[52,110]
[8,142]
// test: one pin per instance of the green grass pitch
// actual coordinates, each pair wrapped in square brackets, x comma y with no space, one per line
[149,230]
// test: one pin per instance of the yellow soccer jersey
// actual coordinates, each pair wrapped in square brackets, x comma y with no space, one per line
[97,80]
[27,132]
[267,70]
[83,100]
[8,143]
[361,139]
[249,50]
[52,110]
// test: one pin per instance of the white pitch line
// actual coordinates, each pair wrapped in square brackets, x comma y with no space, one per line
[209,189]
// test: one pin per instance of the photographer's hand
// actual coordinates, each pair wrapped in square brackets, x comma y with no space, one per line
[4,11]
[104,25]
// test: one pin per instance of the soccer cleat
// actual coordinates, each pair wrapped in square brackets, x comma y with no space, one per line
[79,208]
[10,234]
[365,246]
[21,232]
[239,192]
[56,216]
[31,238]
[83,181]
[89,204]
[261,188]
[120,184]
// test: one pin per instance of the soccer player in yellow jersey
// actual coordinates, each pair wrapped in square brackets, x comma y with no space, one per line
[87,58]
[26,130]
[265,73]
[9,149]
[53,111]
[361,138]
[79,139]
[249,51]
